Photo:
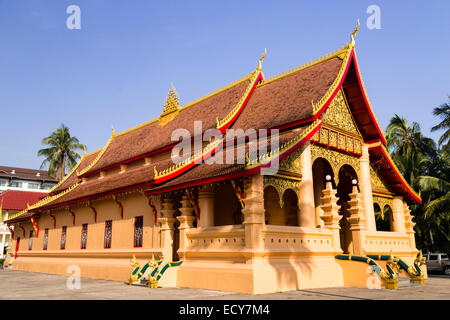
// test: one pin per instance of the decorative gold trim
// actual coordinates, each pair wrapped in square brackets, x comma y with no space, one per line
[281,185]
[230,115]
[335,158]
[329,56]
[98,156]
[271,155]
[44,201]
[85,155]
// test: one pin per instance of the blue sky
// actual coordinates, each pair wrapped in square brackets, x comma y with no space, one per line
[118,68]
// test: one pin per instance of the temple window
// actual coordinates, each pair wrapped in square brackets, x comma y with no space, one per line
[227,208]
[30,241]
[63,237]
[346,174]
[45,239]
[108,233]
[138,223]
[383,219]
[284,213]
[84,235]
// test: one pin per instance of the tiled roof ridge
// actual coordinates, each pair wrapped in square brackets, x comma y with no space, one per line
[190,104]
[99,155]
[271,155]
[340,53]
[73,170]
[211,147]
[42,202]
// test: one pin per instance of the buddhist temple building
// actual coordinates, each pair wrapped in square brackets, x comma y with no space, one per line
[235,225]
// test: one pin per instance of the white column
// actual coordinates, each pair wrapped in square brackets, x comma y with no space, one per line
[307,212]
[3,245]
[366,188]
[206,206]
[398,215]
[186,222]
[254,212]
[167,228]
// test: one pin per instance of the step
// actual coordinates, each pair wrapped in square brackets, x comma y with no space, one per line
[404,282]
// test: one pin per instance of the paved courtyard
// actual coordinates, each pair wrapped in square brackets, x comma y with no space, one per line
[22,285]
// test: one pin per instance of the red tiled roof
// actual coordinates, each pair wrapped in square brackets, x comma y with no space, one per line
[72,177]
[152,136]
[17,200]
[289,98]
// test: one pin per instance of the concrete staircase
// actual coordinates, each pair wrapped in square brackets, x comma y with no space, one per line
[407,282]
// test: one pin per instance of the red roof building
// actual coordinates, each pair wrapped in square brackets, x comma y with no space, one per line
[18,200]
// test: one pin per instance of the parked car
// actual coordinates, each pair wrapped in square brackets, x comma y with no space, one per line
[438,262]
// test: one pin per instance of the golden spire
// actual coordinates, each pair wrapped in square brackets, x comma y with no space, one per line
[172,101]
[171,106]
[353,35]
[261,59]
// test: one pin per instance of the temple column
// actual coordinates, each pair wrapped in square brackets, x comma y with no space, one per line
[307,213]
[365,186]
[167,228]
[253,212]
[409,225]
[156,201]
[206,205]
[358,221]
[3,245]
[398,215]
[186,220]
[331,215]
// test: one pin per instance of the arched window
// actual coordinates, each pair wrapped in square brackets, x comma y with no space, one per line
[383,219]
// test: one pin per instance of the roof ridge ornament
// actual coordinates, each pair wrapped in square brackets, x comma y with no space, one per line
[353,35]
[262,59]
[171,106]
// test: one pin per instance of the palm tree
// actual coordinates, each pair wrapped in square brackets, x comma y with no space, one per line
[61,151]
[443,112]
[405,140]
[425,168]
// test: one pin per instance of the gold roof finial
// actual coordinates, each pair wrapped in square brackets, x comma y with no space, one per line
[261,59]
[112,128]
[171,106]
[353,35]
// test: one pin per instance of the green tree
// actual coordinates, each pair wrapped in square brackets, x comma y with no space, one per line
[443,112]
[426,169]
[61,151]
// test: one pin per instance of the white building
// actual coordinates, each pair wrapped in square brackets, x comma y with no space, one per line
[19,187]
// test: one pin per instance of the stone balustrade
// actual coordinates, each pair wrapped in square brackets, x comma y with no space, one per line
[377,242]
[296,239]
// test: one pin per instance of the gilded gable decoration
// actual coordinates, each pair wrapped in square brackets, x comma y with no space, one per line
[171,107]
[335,158]
[377,181]
[281,184]
[338,115]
